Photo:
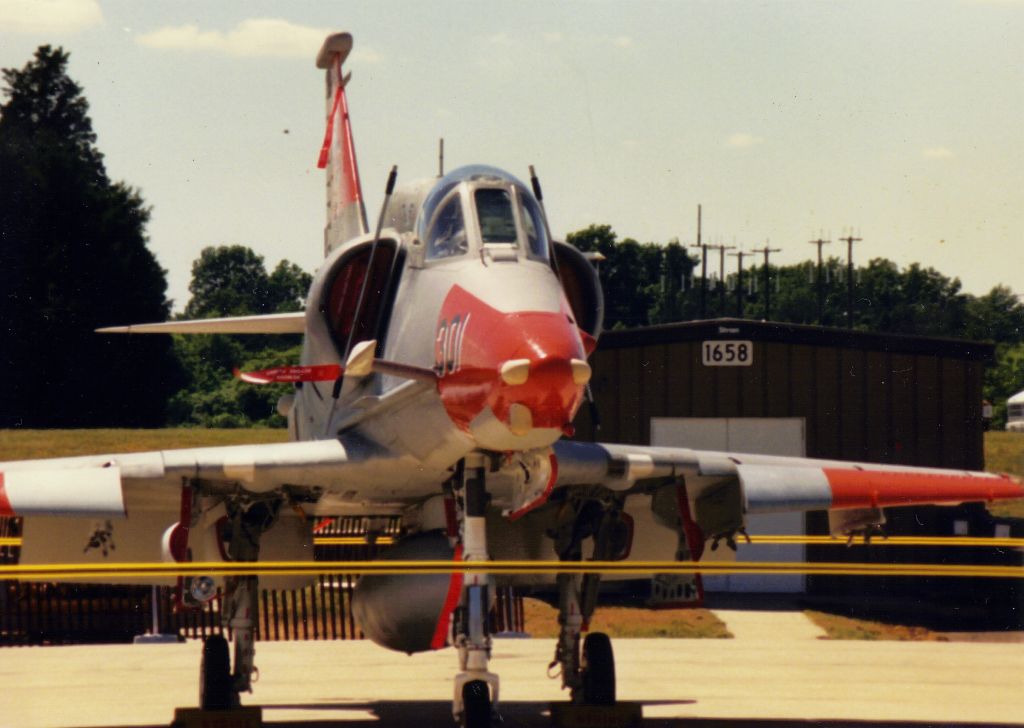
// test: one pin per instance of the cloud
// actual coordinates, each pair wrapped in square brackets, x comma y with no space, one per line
[937,153]
[500,39]
[741,140]
[49,16]
[255,37]
[622,41]
[363,55]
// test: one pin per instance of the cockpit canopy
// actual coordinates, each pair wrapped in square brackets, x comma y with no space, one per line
[481,208]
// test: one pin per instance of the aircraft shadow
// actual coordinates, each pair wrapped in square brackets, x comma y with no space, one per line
[536,715]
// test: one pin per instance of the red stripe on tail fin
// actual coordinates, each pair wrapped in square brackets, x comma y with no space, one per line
[325,148]
[346,216]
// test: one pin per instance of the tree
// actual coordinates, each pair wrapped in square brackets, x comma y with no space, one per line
[288,286]
[998,315]
[643,283]
[229,280]
[232,280]
[1003,378]
[73,257]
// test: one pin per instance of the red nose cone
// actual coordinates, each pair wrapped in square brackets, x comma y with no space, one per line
[549,393]
[523,369]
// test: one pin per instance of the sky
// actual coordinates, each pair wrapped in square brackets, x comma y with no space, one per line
[902,122]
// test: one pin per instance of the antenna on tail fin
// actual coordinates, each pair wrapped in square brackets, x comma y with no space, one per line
[346,212]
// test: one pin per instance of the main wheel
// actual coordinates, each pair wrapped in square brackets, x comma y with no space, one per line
[598,670]
[216,691]
[476,705]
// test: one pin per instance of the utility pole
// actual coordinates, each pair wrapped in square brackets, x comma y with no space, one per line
[821,280]
[721,274]
[739,255]
[767,279]
[849,240]
[703,270]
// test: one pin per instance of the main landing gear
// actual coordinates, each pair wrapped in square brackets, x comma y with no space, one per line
[216,691]
[587,670]
[219,686]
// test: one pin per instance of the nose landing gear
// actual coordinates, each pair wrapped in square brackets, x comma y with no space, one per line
[476,688]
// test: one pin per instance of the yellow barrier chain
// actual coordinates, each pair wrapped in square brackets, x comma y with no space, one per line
[300,568]
[957,541]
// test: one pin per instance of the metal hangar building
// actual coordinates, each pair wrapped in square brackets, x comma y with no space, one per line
[786,389]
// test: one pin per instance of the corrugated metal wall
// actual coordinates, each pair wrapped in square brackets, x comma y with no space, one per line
[865,397]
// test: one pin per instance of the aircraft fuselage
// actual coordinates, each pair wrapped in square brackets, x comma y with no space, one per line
[463,287]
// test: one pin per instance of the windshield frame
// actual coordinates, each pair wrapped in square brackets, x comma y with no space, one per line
[465,183]
[456,196]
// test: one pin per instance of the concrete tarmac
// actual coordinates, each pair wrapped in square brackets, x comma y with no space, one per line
[761,678]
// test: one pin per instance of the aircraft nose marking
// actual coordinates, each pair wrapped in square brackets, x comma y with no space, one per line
[526,367]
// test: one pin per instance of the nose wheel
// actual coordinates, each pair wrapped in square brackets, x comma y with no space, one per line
[476,705]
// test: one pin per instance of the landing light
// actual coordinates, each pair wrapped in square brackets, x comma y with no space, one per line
[515,371]
[581,371]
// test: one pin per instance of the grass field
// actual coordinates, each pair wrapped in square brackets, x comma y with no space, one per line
[542,621]
[846,628]
[1004,453]
[31,444]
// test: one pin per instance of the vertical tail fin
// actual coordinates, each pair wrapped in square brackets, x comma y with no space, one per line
[346,213]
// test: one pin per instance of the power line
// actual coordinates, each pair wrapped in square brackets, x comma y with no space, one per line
[767,279]
[739,255]
[703,269]
[721,274]
[849,240]
[821,281]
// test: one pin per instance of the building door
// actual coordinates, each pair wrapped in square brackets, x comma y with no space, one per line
[756,435]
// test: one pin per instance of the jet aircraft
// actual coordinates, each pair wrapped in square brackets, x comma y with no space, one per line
[444,359]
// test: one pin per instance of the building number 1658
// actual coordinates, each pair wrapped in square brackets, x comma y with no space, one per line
[727,353]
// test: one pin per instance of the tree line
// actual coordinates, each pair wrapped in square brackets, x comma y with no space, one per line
[651,283]
[74,257]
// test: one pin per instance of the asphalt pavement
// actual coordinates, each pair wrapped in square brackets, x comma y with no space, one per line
[775,672]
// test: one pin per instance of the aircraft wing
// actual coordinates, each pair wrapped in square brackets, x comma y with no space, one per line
[725,487]
[119,485]
[272,323]
[118,509]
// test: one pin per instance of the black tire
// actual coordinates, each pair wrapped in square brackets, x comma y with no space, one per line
[598,670]
[216,691]
[476,705]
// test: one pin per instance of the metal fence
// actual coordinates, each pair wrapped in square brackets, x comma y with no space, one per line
[67,613]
